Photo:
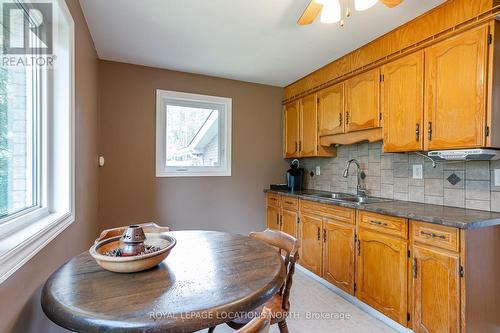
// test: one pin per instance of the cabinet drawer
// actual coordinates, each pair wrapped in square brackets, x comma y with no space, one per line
[334,212]
[289,203]
[391,225]
[435,235]
[273,199]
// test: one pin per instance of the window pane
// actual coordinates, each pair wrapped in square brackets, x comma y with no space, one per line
[192,136]
[17,151]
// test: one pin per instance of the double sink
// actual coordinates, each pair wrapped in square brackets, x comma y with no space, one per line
[345,197]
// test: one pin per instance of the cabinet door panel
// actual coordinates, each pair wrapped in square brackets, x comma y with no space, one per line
[311,243]
[456,91]
[363,101]
[436,292]
[331,110]
[308,143]
[289,222]
[273,217]
[291,129]
[403,101]
[338,255]
[382,273]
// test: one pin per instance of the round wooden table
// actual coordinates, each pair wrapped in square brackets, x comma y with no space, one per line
[207,277]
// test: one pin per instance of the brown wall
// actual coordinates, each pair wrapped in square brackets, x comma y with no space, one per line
[20,309]
[130,192]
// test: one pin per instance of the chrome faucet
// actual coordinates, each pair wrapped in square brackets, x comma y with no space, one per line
[360,192]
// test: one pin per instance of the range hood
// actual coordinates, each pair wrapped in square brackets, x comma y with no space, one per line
[465,155]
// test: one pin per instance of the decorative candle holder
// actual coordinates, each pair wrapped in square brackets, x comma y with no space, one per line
[133,241]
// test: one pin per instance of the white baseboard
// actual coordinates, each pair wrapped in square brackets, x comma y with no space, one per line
[353,300]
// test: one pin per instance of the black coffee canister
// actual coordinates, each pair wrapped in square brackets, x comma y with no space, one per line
[295,176]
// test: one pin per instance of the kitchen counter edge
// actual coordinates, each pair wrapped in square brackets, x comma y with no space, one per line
[461,218]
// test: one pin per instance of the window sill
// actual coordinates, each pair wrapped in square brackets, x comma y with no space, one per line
[222,173]
[20,243]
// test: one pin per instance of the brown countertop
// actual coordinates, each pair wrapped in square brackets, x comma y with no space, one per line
[443,215]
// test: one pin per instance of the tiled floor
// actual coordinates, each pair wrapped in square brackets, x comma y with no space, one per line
[310,297]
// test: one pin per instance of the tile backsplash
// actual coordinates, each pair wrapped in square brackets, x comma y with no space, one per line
[459,184]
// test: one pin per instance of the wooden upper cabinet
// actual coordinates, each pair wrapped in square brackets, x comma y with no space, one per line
[331,110]
[311,246]
[289,219]
[273,217]
[382,273]
[308,143]
[436,291]
[338,255]
[291,119]
[403,103]
[363,101]
[455,91]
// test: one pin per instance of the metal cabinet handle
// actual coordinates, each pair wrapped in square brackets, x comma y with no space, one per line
[296,146]
[379,223]
[340,118]
[300,146]
[431,234]
[429,130]
[359,247]
[278,219]
[347,118]
[319,233]
[414,267]
[417,132]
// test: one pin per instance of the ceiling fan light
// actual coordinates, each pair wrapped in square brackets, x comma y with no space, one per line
[331,11]
[360,5]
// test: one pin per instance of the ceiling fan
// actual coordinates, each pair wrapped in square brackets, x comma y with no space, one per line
[336,10]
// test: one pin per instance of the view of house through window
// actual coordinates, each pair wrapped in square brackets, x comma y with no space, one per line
[192,136]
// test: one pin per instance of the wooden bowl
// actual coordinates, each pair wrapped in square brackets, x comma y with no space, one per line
[132,264]
[149,228]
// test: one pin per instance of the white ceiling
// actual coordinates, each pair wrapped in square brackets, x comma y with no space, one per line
[249,40]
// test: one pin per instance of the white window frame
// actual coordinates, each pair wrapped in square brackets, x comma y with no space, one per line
[223,104]
[24,234]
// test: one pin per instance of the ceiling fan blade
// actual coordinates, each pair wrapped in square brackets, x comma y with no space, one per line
[312,10]
[391,3]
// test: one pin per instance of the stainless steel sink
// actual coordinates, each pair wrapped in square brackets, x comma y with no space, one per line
[368,200]
[346,197]
[337,196]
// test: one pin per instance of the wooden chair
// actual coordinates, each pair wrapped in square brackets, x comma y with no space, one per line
[279,305]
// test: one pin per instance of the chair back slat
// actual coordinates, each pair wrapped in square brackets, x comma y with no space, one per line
[259,324]
[278,239]
[288,244]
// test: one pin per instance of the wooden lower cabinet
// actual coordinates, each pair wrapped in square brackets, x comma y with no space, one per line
[382,273]
[273,217]
[430,278]
[289,221]
[338,254]
[311,242]
[436,291]
[282,214]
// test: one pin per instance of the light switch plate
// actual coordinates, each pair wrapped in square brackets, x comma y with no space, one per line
[318,170]
[418,171]
[497,177]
